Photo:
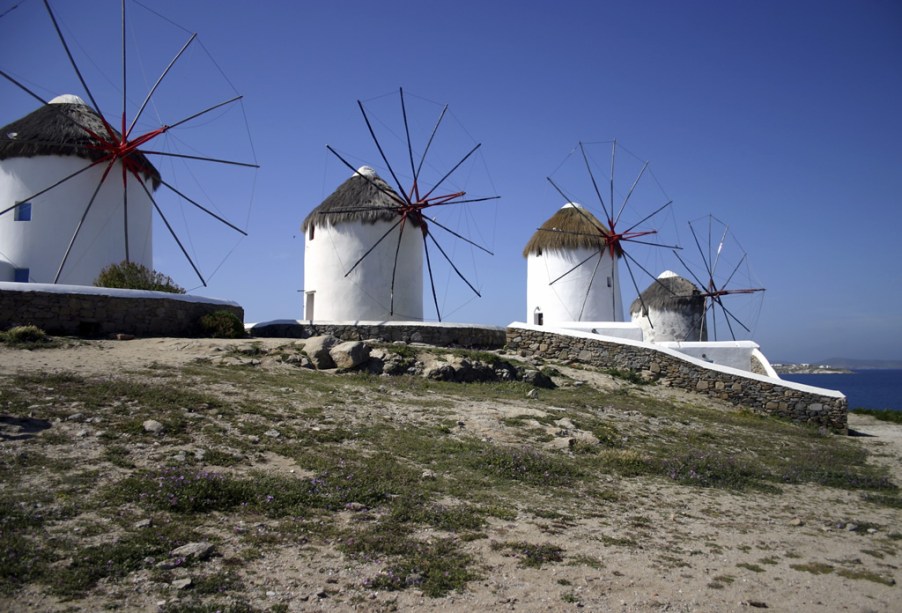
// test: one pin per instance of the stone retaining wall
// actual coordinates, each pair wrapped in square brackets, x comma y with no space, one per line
[759,394]
[88,314]
[440,335]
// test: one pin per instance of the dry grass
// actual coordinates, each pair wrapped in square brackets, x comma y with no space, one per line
[399,487]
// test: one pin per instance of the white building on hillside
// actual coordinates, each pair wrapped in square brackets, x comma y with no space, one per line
[353,249]
[61,221]
[671,309]
[571,274]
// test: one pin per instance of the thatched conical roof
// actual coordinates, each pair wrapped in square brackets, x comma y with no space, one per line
[669,292]
[571,227]
[358,199]
[58,128]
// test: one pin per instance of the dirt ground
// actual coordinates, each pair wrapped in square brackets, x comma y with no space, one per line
[660,547]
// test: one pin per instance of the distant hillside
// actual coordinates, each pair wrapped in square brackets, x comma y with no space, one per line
[861,364]
[835,365]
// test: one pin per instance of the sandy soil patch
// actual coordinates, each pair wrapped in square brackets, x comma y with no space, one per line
[652,545]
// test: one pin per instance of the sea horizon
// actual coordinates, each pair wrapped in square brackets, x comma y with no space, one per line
[866,388]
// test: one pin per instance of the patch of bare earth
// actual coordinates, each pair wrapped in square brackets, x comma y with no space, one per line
[603,528]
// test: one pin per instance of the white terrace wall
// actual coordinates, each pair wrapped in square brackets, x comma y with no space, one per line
[96,312]
[766,395]
[438,334]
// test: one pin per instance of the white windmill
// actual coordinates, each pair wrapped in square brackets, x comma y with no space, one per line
[349,273]
[725,271]
[39,225]
[573,259]
[558,288]
[365,245]
[675,305]
[78,191]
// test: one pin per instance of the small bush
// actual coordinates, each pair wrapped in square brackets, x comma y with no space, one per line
[530,555]
[630,376]
[404,351]
[24,335]
[222,324]
[131,275]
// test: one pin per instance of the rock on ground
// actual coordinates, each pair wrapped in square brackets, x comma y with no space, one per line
[350,354]
[317,350]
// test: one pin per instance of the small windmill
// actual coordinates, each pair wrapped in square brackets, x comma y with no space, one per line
[82,156]
[677,308]
[613,240]
[408,203]
[725,264]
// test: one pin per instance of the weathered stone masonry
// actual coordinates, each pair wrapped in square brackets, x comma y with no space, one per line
[138,314]
[440,335]
[86,314]
[766,397]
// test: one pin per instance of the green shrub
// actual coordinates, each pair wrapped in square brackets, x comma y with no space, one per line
[405,351]
[24,335]
[222,324]
[131,275]
[531,555]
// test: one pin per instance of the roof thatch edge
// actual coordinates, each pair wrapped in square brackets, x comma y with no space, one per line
[59,129]
[362,198]
[571,227]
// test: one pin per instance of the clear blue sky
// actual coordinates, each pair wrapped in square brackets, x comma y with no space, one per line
[781,118]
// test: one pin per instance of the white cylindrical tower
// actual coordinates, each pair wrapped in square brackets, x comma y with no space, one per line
[40,151]
[570,272]
[671,309]
[352,252]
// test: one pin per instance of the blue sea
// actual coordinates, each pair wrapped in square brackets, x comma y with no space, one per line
[865,389]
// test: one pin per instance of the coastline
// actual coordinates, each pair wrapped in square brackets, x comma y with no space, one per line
[807,369]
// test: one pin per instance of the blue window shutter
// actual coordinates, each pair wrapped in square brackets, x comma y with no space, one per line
[23,212]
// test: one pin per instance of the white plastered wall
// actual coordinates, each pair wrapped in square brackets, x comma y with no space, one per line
[40,244]
[611,329]
[735,354]
[588,293]
[365,293]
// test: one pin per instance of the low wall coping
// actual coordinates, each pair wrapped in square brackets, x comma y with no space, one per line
[703,344]
[680,356]
[385,324]
[112,292]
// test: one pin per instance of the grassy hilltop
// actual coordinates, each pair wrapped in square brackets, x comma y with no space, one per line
[296,489]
